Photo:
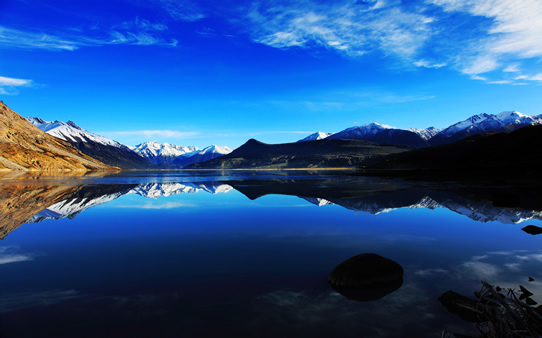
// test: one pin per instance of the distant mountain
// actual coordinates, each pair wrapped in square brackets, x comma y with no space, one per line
[502,156]
[174,156]
[384,134]
[162,153]
[25,147]
[426,133]
[316,136]
[99,147]
[484,123]
[310,154]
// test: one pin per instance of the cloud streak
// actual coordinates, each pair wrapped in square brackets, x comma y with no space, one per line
[9,85]
[136,32]
[514,32]
[347,27]
[152,133]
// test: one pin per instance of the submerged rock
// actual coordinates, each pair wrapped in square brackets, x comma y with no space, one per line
[366,277]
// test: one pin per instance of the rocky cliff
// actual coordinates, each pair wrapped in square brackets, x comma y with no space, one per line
[25,147]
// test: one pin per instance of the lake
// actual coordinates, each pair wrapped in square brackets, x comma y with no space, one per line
[230,254]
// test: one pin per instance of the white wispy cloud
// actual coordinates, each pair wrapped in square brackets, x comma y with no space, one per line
[256,133]
[9,85]
[536,77]
[500,82]
[429,64]
[347,27]
[14,38]
[515,31]
[512,68]
[135,32]
[182,10]
[152,133]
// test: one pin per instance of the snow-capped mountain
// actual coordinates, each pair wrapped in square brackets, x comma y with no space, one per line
[170,155]
[379,133]
[316,136]
[99,147]
[163,153]
[426,133]
[69,131]
[484,123]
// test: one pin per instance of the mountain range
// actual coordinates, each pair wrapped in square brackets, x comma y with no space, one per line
[174,156]
[149,155]
[498,157]
[42,145]
[328,153]
[483,123]
[101,148]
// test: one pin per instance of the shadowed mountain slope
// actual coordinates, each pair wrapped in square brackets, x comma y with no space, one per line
[502,155]
[325,153]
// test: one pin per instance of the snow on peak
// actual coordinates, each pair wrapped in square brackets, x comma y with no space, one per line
[154,149]
[165,153]
[489,122]
[214,149]
[426,133]
[367,129]
[515,117]
[316,136]
[71,132]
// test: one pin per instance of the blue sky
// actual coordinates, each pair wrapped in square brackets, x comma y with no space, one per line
[221,72]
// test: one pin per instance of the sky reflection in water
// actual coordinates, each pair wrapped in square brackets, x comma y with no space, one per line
[202,264]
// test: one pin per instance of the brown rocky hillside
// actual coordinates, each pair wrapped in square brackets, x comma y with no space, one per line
[25,147]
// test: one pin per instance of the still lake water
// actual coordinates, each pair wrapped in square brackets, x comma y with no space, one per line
[177,254]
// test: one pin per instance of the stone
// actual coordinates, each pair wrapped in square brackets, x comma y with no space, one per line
[366,277]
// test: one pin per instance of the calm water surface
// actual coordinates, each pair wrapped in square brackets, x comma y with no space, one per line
[175,254]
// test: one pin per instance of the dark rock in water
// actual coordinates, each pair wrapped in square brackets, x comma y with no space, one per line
[531,279]
[462,306]
[366,277]
[532,229]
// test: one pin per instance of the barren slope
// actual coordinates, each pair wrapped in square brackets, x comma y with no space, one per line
[25,147]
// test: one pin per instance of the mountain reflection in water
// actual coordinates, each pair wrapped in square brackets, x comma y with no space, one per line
[242,254]
[32,203]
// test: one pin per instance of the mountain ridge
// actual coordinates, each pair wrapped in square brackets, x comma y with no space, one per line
[326,153]
[174,156]
[99,147]
[25,147]
[505,121]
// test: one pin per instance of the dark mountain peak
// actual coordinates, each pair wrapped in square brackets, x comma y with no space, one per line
[253,142]
[73,125]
